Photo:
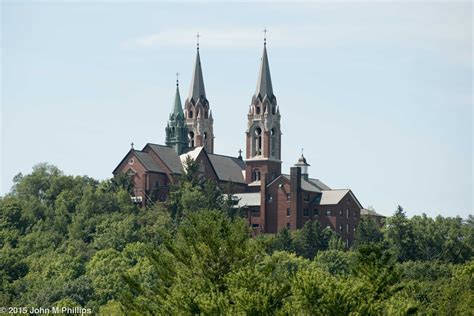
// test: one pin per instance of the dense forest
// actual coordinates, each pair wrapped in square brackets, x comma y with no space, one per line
[75,241]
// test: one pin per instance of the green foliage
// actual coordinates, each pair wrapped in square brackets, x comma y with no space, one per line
[73,241]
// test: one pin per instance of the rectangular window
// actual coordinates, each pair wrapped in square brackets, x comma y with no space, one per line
[340,212]
[348,213]
[328,212]
[288,196]
[315,212]
[347,228]
[255,225]
[270,198]
[255,211]
[288,225]
[288,212]
[306,197]
[305,212]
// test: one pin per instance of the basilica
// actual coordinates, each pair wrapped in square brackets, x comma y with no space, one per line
[271,200]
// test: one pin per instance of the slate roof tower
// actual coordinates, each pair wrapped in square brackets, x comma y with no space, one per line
[176,129]
[197,112]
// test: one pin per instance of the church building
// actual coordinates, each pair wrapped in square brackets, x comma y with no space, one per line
[270,199]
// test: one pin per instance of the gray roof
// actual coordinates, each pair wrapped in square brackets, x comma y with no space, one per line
[332,197]
[197,90]
[177,107]
[169,156]
[319,184]
[228,168]
[147,161]
[306,185]
[247,199]
[264,83]
[368,212]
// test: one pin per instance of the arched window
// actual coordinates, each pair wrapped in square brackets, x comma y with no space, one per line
[257,109]
[256,175]
[273,110]
[272,142]
[191,139]
[190,113]
[258,141]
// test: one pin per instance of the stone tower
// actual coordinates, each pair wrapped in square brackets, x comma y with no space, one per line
[197,113]
[263,154]
[176,129]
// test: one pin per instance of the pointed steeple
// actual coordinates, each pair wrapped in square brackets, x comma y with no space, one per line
[177,107]
[176,129]
[264,83]
[197,90]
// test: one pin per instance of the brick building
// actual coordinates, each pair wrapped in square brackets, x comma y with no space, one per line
[271,199]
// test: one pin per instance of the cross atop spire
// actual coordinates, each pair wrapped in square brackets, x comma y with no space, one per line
[197,40]
[264,83]
[197,90]
[265,36]
[177,107]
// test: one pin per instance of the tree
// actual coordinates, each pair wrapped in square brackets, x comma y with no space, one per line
[367,232]
[399,234]
[310,239]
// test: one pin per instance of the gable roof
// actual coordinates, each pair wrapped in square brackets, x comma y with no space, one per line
[306,185]
[147,161]
[169,157]
[228,168]
[319,184]
[367,212]
[247,199]
[331,197]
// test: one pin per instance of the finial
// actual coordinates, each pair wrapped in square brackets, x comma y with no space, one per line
[197,40]
[265,36]
[177,79]
[131,145]
[302,149]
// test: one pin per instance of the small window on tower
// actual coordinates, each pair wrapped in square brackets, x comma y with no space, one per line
[257,110]
[191,139]
[273,110]
[190,114]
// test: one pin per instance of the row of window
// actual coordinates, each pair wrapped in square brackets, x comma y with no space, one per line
[307,212]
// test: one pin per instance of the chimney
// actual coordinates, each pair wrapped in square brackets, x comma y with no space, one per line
[296,217]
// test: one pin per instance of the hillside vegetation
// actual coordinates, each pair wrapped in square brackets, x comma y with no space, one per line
[75,241]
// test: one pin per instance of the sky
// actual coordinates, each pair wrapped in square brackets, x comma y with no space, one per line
[379,94]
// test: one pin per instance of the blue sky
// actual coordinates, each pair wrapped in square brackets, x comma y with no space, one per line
[378,94]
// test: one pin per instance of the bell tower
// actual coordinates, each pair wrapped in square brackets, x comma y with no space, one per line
[176,129]
[197,112]
[263,154]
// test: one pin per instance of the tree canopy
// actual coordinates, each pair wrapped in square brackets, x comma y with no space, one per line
[75,241]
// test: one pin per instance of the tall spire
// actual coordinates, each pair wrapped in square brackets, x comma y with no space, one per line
[264,83]
[197,90]
[176,129]
[177,107]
